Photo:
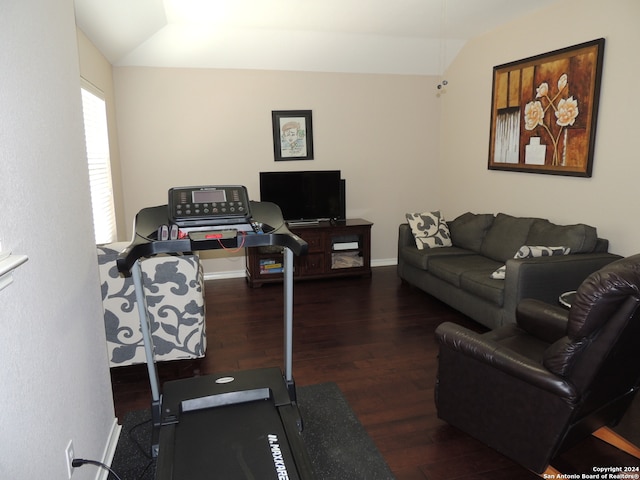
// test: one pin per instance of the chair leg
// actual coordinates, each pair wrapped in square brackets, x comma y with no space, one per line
[612,438]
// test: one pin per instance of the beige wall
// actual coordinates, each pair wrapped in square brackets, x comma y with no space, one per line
[55,372]
[187,126]
[608,200]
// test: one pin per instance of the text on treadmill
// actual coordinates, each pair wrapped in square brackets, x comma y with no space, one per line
[278,461]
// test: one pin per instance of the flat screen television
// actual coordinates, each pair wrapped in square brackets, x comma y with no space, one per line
[307,196]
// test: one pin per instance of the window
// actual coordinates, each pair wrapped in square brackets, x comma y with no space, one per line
[97,141]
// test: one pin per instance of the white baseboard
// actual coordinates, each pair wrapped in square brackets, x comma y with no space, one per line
[109,450]
[222,275]
[382,262]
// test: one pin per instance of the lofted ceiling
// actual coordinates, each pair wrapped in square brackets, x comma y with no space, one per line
[356,36]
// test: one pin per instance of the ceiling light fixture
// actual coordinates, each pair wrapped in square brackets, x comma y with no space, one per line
[443,48]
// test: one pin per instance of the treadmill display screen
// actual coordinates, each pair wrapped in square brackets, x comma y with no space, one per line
[209,196]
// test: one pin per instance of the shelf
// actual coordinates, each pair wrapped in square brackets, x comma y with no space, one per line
[271,266]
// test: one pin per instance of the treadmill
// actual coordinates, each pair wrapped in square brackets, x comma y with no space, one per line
[232,425]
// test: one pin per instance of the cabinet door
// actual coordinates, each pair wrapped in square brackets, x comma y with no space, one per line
[315,240]
[311,264]
[315,262]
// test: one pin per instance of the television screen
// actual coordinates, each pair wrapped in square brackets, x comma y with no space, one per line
[304,196]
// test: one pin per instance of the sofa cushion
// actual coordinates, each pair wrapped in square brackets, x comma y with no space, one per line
[579,238]
[506,235]
[481,285]
[450,269]
[429,229]
[421,258]
[469,229]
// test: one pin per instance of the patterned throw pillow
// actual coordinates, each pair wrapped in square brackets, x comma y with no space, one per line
[429,230]
[531,251]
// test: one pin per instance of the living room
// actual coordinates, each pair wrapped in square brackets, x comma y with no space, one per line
[53,347]
[397,124]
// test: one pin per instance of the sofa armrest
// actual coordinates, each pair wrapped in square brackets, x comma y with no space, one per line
[405,236]
[542,320]
[474,345]
[546,278]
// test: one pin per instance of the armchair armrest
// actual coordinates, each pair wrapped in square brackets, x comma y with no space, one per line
[473,345]
[542,320]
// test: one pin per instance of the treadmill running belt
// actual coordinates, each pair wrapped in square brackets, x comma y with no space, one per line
[254,444]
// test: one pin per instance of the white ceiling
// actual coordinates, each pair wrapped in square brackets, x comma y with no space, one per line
[357,36]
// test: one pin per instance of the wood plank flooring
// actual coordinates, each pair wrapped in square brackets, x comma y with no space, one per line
[374,338]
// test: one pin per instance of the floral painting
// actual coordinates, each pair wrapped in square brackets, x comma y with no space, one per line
[544,112]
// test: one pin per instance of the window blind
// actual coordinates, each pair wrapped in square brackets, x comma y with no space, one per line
[99,164]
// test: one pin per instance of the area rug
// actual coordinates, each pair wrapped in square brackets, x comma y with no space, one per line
[338,445]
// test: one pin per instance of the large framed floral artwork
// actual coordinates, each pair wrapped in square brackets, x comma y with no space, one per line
[544,111]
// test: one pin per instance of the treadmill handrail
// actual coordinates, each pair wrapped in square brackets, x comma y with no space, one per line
[148,220]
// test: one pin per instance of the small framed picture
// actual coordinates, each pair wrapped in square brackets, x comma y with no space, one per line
[292,135]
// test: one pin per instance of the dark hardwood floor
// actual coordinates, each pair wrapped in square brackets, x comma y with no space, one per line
[374,338]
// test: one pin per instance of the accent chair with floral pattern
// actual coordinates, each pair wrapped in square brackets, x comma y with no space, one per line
[174,290]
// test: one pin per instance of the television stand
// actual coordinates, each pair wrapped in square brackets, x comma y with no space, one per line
[336,249]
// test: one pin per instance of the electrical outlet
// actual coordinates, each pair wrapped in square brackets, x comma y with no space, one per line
[69,454]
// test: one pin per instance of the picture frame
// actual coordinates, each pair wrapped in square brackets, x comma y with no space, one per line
[544,111]
[292,135]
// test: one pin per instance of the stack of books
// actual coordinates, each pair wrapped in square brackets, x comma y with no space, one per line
[268,267]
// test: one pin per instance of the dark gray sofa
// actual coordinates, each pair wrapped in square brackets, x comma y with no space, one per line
[460,275]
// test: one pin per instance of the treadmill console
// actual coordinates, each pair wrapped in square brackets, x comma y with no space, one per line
[210,205]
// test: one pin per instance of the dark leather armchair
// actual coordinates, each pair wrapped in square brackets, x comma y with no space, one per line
[532,389]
